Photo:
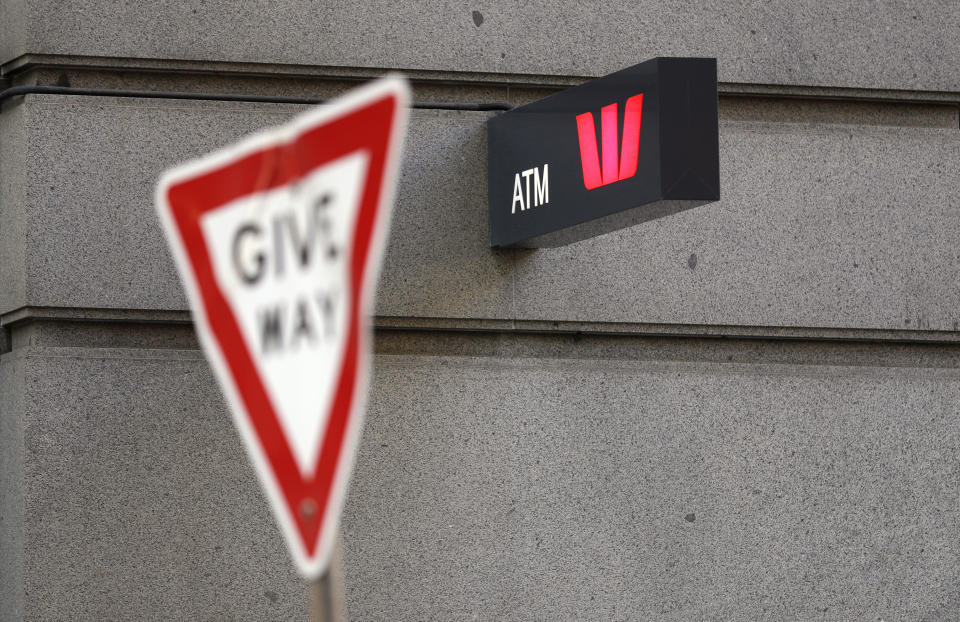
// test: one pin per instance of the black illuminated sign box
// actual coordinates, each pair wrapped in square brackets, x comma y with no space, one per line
[617,151]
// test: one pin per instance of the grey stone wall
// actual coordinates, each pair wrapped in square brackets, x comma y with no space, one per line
[13,213]
[12,544]
[808,233]
[745,411]
[880,45]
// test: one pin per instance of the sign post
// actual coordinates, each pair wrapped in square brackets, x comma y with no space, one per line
[327,598]
[278,240]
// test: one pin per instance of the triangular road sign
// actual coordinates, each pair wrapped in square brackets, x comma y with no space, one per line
[279,240]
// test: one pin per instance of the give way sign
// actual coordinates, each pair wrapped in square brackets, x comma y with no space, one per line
[278,240]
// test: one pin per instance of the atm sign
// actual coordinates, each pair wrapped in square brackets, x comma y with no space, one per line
[660,156]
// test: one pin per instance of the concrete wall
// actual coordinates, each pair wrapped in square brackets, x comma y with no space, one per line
[745,411]
[808,233]
[12,544]
[881,45]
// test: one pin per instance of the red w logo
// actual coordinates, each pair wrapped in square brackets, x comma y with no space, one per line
[613,170]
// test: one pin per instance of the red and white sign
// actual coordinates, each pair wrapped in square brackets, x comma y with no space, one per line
[279,240]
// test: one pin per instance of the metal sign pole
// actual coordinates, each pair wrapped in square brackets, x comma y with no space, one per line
[327,598]
[321,599]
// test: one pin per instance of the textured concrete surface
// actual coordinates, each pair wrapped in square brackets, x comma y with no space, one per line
[12,408]
[830,225]
[92,334]
[140,504]
[14,25]
[882,45]
[13,184]
[518,490]
[439,262]
[823,111]
[817,226]
[492,488]
[90,190]
[546,345]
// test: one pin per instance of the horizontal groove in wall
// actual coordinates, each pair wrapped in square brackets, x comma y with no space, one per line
[144,316]
[793,110]
[506,345]
[738,101]
[669,330]
[17,69]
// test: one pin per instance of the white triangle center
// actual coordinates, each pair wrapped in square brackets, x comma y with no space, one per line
[281,258]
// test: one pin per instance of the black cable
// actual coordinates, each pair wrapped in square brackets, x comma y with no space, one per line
[265,99]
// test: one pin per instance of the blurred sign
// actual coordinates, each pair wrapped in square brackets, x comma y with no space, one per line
[619,150]
[278,240]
